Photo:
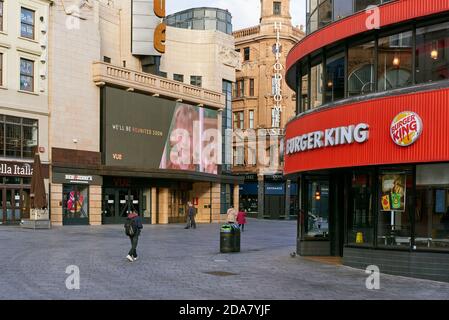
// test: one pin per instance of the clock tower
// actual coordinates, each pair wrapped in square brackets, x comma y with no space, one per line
[275,11]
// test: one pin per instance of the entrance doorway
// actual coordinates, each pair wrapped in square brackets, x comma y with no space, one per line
[119,202]
[14,205]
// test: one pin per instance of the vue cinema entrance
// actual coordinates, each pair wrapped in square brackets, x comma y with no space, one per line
[122,196]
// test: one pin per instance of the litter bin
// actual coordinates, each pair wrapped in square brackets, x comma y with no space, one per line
[226,239]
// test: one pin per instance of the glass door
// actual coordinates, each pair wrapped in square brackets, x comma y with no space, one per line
[316,218]
[110,205]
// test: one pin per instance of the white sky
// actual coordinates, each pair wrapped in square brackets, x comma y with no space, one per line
[245,13]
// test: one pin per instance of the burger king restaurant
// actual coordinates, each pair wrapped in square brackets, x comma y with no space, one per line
[374,183]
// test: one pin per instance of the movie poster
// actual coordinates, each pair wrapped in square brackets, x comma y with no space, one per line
[393,192]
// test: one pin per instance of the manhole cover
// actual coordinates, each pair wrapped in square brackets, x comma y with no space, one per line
[221,273]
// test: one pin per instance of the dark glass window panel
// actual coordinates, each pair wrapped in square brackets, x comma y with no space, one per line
[178,77]
[13,119]
[221,26]
[335,75]
[13,140]
[342,8]
[198,14]
[1,66]
[360,216]
[195,81]
[26,75]
[1,15]
[325,13]
[29,122]
[361,69]
[316,221]
[13,180]
[251,87]
[2,139]
[277,8]
[316,84]
[395,61]
[363,4]
[29,141]
[221,15]
[246,53]
[26,180]
[27,23]
[198,24]
[432,53]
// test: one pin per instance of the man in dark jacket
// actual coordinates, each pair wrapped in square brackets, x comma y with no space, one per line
[190,216]
[132,255]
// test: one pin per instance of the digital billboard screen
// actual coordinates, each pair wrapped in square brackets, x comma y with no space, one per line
[142,131]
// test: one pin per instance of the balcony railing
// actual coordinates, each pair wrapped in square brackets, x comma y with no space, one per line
[246,32]
[104,73]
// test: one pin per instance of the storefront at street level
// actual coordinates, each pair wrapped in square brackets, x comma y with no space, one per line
[15,184]
[368,146]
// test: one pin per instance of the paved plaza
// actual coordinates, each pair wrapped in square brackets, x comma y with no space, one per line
[183,264]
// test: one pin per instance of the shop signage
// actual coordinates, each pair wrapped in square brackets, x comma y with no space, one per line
[277,85]
[77,178]
[406,128]
[148,29]
[393,192]
[16,169]
[328,138]
[274,189]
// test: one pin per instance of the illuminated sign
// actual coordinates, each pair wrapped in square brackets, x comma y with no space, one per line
[406,128]
[328,138]
[277,79]
[148,29]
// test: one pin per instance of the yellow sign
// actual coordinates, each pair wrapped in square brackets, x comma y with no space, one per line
[159,32]
[359,238]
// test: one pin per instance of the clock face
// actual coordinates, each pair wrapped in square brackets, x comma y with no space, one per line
[275,49]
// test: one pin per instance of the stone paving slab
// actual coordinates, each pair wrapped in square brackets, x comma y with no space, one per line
[176,263]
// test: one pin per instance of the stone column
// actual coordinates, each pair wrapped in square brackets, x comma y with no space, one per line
[164,197]
[95,205]
[56,204]
[261,197]
[236,197]
[288,185]
[154,209]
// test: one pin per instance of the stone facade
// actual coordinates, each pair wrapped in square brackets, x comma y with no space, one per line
[89,48]
[256,99]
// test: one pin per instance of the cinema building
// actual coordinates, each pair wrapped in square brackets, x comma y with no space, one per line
[368,145]
[118,101]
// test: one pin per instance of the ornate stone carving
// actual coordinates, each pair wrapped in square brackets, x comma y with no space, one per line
[229,57]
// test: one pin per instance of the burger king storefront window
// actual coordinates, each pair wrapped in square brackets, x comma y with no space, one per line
[372,175]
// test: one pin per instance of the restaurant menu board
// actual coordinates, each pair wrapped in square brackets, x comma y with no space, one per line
[393,192]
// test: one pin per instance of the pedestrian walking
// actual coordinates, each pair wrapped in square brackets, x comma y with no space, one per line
[231,215]
[241,219]
[190,216]
[133,227]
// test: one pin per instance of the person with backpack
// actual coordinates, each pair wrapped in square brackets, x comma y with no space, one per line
[190,216]
[133,227]
[241,219]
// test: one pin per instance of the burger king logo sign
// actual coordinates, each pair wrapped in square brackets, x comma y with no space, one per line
[406,128]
